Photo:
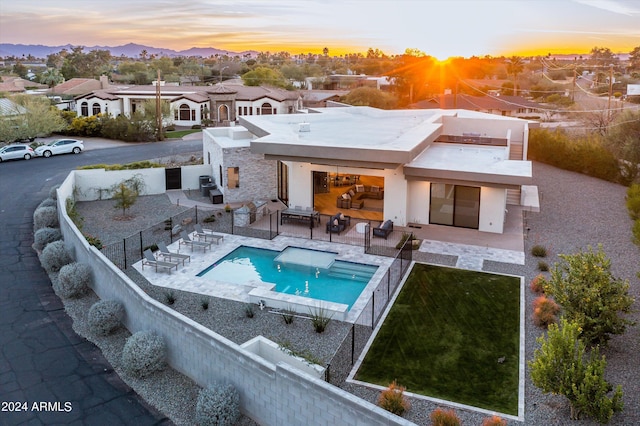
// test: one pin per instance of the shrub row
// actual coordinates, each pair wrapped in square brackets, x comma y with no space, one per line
[44,236]
[144,353]
[218,405]
[73,280]
[587,156]
[105,317]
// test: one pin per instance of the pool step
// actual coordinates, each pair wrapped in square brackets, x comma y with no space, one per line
[351,271]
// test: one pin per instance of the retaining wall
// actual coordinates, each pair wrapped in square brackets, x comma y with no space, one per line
[271,394]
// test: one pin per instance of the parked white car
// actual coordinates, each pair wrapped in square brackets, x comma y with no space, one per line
[60,146]
[16,152]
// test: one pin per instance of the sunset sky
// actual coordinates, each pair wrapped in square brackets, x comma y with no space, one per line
[439,28]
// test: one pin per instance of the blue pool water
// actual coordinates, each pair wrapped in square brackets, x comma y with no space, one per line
[309,273]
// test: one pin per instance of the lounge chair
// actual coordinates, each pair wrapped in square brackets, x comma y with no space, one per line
[207,234]
[383,230]
[166,254]
[186,240]
[150,260]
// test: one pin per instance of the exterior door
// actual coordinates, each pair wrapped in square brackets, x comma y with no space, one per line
[173,178]
[455,205]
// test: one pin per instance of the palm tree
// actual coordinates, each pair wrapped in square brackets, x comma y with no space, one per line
[51,77]
[515,66]
[143,55]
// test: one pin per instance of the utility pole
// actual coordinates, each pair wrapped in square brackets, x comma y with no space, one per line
[610,91]
[158,110]
[575,77]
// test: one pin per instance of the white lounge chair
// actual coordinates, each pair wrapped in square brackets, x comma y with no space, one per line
[150,260]
[166,254]
[186,240]
[207,234]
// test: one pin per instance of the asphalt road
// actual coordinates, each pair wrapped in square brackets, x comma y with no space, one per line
[48,374]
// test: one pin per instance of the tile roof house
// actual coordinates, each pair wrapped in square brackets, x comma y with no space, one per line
[448,167]
[17,85]
[221,103]
[80,86]
[511,106]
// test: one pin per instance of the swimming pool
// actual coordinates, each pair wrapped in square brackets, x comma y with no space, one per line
[303,272]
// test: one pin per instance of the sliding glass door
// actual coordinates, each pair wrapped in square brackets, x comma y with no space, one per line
[454,205]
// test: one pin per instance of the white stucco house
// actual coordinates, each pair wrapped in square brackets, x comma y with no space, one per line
[449,167]
[219,104]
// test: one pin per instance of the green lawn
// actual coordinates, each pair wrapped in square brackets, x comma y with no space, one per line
[177,134]
[445,334]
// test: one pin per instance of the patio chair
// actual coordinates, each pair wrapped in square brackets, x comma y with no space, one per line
[383,230]
[166,254]
[206,234]
[150,260]
[186,240]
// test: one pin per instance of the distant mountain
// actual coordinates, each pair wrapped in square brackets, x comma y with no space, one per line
[130,50]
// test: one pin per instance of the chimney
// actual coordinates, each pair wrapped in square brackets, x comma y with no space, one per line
[104,81]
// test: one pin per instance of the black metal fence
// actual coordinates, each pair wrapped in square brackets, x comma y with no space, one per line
[362,329]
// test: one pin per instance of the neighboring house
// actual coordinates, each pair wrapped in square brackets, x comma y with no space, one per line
[9,109]
[349,82]
[319,98]
[509,106]
[219,104]
[449,167]
[18,85]
[81,86]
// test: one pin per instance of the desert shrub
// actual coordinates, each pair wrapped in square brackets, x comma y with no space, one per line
[636,232]
[248,310]
[209,219]
[545,311]
[633,201]
[393,400]
[536,284]
[53,192]
[144,353]
[543,266]
[45,217]
[48,202]
[44,236]
[218,405]
[54,256]
[105,317]
[442,417]
[287,316]
[539,251]
[320,319]
[204,303]
[73,280]
[93,240]
[494,421]
[169,297]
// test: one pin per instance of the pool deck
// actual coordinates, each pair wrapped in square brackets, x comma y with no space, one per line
[185,278]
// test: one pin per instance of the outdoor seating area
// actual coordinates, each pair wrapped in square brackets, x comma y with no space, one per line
[186,240]
[150,260]
[206,234]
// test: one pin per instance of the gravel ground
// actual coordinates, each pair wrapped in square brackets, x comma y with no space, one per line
[577,211]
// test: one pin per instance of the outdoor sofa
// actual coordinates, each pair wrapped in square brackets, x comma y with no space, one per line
[338,223]
[383,230]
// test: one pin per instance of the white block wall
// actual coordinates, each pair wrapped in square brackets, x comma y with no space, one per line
[270,394]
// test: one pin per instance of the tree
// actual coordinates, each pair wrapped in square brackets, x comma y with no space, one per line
[30,116]
[515,66]
[126,193]
[51,77]
[20,70]
[88,65]
[590,295]
[623,138]
[634,58]
[602,56]
[264,76]
[369,96]
[561,366]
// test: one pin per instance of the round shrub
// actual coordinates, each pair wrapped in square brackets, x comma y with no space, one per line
[105,317]
[539,251]
[73,280]
[45,217]
[218,405]
[537,283]
[144,353]
[48,202]
[54,256]
[44,236]
[545,311]
[53,192]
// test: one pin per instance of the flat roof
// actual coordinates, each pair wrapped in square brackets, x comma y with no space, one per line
[360,134]
[230,137]
[469,163]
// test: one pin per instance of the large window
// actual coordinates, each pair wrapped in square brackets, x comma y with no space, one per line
[184,113]
[96,109]
[455,205]
[84,109]
[233,177]
[266,109]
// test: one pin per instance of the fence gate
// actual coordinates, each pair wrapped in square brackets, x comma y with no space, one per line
[173,178]
[367,238]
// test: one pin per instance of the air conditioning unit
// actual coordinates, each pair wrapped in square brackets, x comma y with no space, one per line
[304,127]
